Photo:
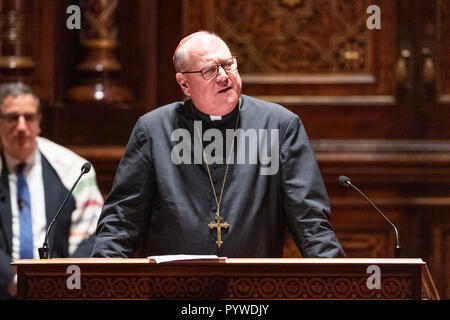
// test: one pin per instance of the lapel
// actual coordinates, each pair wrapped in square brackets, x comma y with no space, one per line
[5,207]
[51,196]
[55,193]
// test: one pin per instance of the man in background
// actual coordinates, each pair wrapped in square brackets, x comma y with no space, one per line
[36,175]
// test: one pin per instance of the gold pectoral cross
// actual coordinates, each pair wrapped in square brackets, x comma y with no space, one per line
[219,225]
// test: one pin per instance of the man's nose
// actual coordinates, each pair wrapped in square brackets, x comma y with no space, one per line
[221,73]
[21,123]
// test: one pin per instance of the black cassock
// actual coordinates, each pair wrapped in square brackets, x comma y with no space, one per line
[162,201]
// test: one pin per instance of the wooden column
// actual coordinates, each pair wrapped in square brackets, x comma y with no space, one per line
[15,46]
[99,68]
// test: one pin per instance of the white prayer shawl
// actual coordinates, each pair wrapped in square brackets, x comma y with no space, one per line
[88,199]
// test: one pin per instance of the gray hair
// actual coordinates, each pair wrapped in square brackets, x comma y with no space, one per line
[17,89]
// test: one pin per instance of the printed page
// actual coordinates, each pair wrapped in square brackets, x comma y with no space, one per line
[181,257]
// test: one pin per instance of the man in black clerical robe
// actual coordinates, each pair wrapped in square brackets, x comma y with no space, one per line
[169,194]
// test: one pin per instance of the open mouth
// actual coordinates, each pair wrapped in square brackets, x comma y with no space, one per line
[224,90]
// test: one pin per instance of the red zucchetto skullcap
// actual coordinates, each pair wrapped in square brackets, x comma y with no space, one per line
[187,38]
[182,42]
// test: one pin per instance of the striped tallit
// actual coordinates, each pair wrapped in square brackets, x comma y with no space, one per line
[88,199]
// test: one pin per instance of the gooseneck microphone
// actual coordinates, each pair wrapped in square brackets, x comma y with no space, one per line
[343,180]
[44,252]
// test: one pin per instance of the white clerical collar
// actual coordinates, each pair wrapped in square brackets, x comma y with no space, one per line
[217,118]
[214,118]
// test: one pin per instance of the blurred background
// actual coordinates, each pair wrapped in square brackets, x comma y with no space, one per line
[375,102]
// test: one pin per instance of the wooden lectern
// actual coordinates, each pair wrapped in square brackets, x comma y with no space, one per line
[225,279]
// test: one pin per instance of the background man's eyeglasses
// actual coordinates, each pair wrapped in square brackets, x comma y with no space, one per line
[14,117]
[211,72]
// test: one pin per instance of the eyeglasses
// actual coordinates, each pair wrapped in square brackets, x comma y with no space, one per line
[14,117]
[211,72]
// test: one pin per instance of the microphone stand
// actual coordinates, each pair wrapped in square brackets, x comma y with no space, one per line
[397,249]
[44,251]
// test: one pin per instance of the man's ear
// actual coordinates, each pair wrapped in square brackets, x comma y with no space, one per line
[184,85]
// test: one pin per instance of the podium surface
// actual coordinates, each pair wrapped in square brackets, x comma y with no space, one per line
[223,278]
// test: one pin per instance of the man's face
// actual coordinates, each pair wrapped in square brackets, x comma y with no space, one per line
[20,123]
[217,96]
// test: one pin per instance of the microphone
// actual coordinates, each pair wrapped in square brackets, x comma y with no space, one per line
[44,252]
[343,180]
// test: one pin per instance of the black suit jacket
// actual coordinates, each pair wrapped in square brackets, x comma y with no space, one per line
[55,192]
[157,207]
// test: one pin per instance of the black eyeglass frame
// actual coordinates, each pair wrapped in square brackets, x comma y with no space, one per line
[14,117]
[217,68]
